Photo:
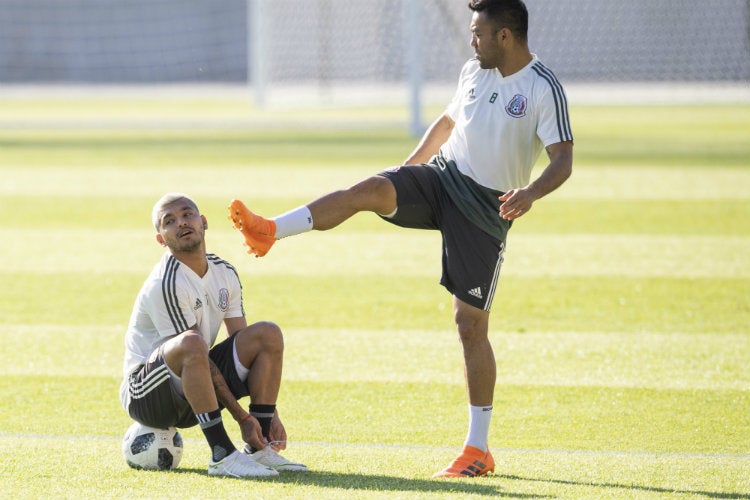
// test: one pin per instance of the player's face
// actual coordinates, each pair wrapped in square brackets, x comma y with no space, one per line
[484,41]
[182,227]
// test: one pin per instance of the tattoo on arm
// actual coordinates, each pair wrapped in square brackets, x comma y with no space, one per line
[223,394]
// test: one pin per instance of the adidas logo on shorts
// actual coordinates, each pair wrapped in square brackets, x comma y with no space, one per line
[476,292]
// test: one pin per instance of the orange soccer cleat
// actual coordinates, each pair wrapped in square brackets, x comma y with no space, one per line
[257,231]
[471,462]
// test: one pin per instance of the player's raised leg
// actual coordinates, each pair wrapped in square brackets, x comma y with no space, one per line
[374,194]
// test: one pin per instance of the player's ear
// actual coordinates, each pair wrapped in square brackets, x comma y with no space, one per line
[502,35]
[205,222]
[160,240]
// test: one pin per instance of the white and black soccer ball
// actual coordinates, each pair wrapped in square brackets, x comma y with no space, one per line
[154,449]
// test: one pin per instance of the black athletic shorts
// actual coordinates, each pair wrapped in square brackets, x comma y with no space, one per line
[471,257]
[156,403]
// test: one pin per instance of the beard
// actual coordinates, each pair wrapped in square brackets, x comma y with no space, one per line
[185,246]
[484,65]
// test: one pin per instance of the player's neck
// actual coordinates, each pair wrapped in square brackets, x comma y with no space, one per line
[518,60]
[195,260]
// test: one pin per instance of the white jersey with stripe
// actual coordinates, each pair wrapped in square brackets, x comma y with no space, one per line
[502,123]
[173,299]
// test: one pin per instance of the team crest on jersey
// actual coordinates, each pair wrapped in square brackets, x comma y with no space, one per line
[224,299]
[517,106]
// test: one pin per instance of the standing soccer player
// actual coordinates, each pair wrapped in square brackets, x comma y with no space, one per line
[174,375]
[469,178]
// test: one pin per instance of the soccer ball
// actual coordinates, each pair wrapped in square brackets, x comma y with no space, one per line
[148,448]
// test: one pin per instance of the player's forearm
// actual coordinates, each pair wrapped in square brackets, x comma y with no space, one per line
[224,395]
[556,173]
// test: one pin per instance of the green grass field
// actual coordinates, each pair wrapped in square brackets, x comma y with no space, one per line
[621,324]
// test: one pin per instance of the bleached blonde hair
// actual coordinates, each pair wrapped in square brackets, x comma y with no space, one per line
[163,202]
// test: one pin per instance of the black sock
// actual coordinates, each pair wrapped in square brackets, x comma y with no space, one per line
[216,435]
[264,415]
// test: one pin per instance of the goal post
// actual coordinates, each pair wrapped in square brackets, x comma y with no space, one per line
[415,60]
[257,58]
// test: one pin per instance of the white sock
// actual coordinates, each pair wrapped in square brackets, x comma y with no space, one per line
[479,426]
[293,222]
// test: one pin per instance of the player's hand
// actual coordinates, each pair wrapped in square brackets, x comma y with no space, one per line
[277,433]
[515,203]
[252,434]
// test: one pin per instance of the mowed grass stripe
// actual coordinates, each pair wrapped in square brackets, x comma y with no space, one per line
[138,150]
[644,181]
[311,178]
[576,303]
[612,359]
[689,136]
[528,416]
[553,215]
[397,253]
[526,474]
[323,445]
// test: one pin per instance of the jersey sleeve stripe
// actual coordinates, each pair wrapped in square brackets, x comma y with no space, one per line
[215,259]
[561,102]
[169,291]
[563,125]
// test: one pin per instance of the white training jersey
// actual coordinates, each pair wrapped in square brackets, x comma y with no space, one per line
[502,123]
[173,299]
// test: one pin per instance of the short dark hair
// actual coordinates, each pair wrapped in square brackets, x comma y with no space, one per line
[511,14]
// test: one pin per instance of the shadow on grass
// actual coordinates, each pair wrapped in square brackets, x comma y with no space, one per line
[631,487]
[383,483]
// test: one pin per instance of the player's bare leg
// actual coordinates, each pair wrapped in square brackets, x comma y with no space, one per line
[479,359]
[374,194]
[481,372]
[187,356]
[260,348]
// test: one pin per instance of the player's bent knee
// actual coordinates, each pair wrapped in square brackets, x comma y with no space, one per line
[264,334]
[191,343]
[272,336]
[187,348]
[376,194]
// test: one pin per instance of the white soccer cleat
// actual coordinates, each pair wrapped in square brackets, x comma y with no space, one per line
[271,458]
[238,464]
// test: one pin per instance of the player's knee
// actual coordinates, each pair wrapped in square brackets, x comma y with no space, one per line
[274,338]
[192,344]
[270,337]
[375,193]
[471,327]
[466,329]
[187,349]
